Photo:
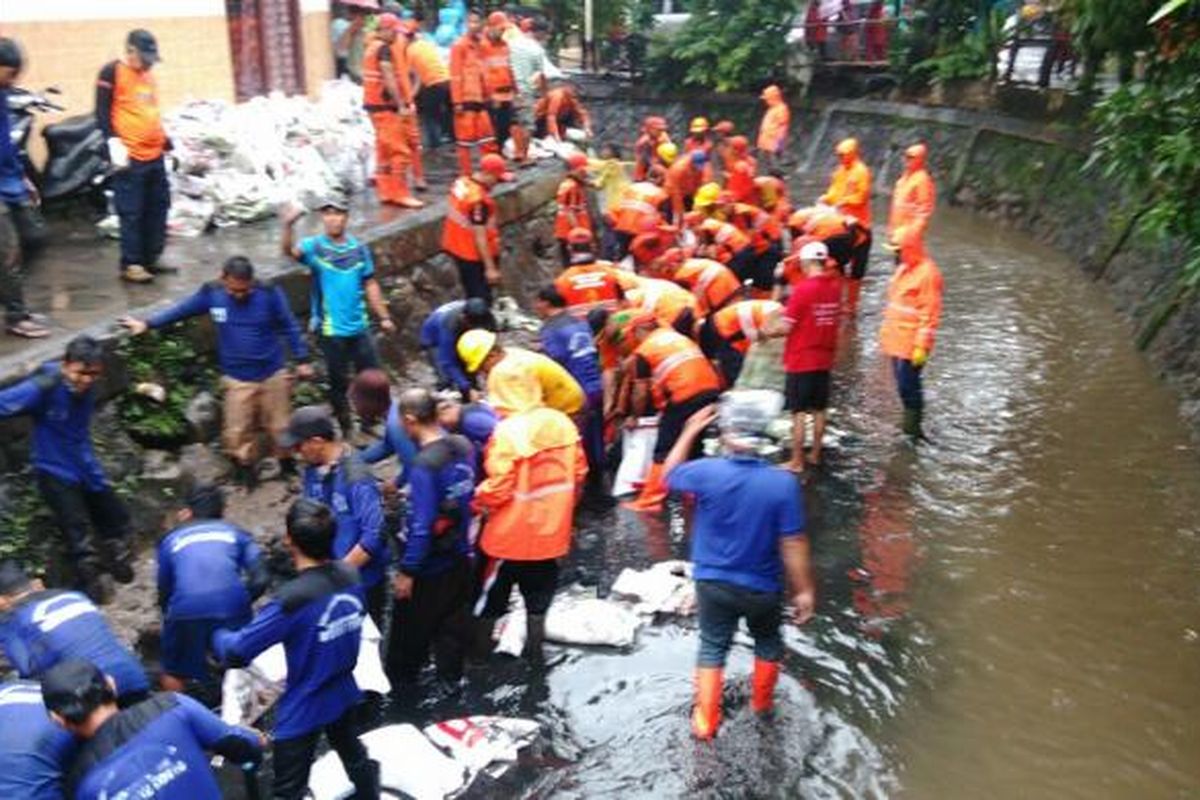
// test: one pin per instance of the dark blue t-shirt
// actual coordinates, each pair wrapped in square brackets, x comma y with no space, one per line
[34,751]
[203,568]
[49,626]
[744,506]
[441,486]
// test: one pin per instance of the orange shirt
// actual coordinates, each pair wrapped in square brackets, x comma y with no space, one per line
[743,323]
[136,118]
[641,203]
[712,284]
[682,182]
[664,299]
[587,286]
[426,61]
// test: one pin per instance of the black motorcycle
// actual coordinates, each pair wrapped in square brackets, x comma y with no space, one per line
[77,156]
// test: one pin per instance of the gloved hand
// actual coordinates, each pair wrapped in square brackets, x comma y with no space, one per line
[919,357]
[118,154]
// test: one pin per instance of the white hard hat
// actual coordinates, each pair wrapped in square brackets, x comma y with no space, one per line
[814,251]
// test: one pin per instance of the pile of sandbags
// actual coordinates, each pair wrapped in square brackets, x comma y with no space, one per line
[237,163]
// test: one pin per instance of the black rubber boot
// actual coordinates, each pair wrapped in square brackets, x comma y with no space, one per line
[246,475]
[479,643]
[366,780]
[912,423]
[535,638]
[118,558]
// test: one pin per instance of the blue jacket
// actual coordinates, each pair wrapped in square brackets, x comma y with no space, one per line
[318,617]
[441,486]
[34,751]
[49,626]
[570,342]
[62,441]
[395,442]
[156,749]
[248,333]
[439,339]
[477,423]
[12,174]
[349,488]
[209,569]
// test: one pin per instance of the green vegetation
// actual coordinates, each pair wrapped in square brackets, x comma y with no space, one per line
[25,521]
[726,45]
[171,361]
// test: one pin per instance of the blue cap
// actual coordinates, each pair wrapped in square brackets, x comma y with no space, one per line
[699,158]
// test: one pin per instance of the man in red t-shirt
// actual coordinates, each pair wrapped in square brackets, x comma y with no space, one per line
[810,322]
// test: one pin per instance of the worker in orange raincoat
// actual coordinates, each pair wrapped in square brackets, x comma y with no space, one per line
[386,95]
[469,95]
[471,230]
[698,139]
[713,284]
[502,87]
[850,192]
[684,178]
[914,196]
[642,207]
[558,110]
[668,368]
[773,131]
[536,468]
[587,283]
[740,169]
[409,69]
[572,203]
[910,322]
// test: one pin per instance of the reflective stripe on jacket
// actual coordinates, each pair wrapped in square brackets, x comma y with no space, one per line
[678,368]
[914,309]
[458,235]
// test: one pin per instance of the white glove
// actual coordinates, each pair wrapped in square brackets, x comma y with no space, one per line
[118,154]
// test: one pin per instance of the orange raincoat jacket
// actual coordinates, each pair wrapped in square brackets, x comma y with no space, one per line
[914,306]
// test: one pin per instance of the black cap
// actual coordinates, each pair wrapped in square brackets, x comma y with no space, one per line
[13,578]
[335,200]
[307,422]
[144,42]
[74,688]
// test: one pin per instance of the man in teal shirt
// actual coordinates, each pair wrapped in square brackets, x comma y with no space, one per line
[343,286]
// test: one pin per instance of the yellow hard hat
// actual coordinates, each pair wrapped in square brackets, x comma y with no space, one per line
[667,151]
[707,195]
[474,346]
[699,125]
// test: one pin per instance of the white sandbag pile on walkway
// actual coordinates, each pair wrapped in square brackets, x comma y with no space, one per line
[237,163]
[438,762]
[664,588]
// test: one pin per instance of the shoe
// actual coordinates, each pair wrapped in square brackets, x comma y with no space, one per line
[28,329]
[653,493]
[162,269]
[136,273]
[408,202]
[706,716]
[367,781]
[762,686]
[912,423]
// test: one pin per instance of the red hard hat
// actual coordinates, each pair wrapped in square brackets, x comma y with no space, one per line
[577,161]
[579,236]
[497,19]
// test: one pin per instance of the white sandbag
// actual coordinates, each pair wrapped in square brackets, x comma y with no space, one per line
[664,588]
[408,762]
[576,617]
[248,692]
[637,451]
[481,742]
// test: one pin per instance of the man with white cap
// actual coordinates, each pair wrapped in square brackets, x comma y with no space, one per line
[810,322]
[747,535]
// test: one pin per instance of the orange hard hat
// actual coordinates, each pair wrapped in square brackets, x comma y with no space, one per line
[579,236]
[672,255]
[698,125]
[388,22]
[656,123]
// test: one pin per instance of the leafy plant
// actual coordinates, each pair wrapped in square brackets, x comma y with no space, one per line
[962,46]
[171,361]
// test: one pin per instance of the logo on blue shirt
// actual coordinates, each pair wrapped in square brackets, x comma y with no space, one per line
[49,614]
[218,314]
[342,616]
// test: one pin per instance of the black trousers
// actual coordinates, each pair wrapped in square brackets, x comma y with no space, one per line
[78,513]
[437,616]
[22,230]
[474,283]
[346,354]
[672,420]
[433,107]
[294,757]
[503,116]
[142,197]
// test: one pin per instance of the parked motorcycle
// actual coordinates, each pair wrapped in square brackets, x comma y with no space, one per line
[77,156]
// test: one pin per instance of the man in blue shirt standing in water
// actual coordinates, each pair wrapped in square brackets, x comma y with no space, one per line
[747,534]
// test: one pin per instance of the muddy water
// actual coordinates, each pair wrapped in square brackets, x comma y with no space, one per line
[1009,611]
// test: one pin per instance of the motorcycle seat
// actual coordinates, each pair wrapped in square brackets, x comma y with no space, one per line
[71,129]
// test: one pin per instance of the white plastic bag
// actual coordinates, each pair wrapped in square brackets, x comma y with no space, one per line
[637,451]
[666,587]
[408,762]
[576,617]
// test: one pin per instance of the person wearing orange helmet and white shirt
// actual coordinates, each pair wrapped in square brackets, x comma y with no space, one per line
[850,193]
[914,196]
[773,131]
[910,322]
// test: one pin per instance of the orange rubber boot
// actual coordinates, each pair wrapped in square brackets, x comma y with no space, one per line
[654,492]
[706,716]
[762,685]
[520,143]
[464,160]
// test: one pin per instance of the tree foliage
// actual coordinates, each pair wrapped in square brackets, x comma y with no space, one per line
[726,45]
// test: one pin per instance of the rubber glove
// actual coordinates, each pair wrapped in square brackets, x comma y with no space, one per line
[118,154]
[919,357]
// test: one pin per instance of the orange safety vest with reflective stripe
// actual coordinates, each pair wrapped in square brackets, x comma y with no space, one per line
[375,93]
[467,81]
[914,309]
[497,70]
[912,203]
[664,299]
[639,202]
[535,464]
[727,238]
[712,283]
[458,235]
[758,224]
[678,369]
[850,191]
[588,286]
[572,208]
[743,323]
